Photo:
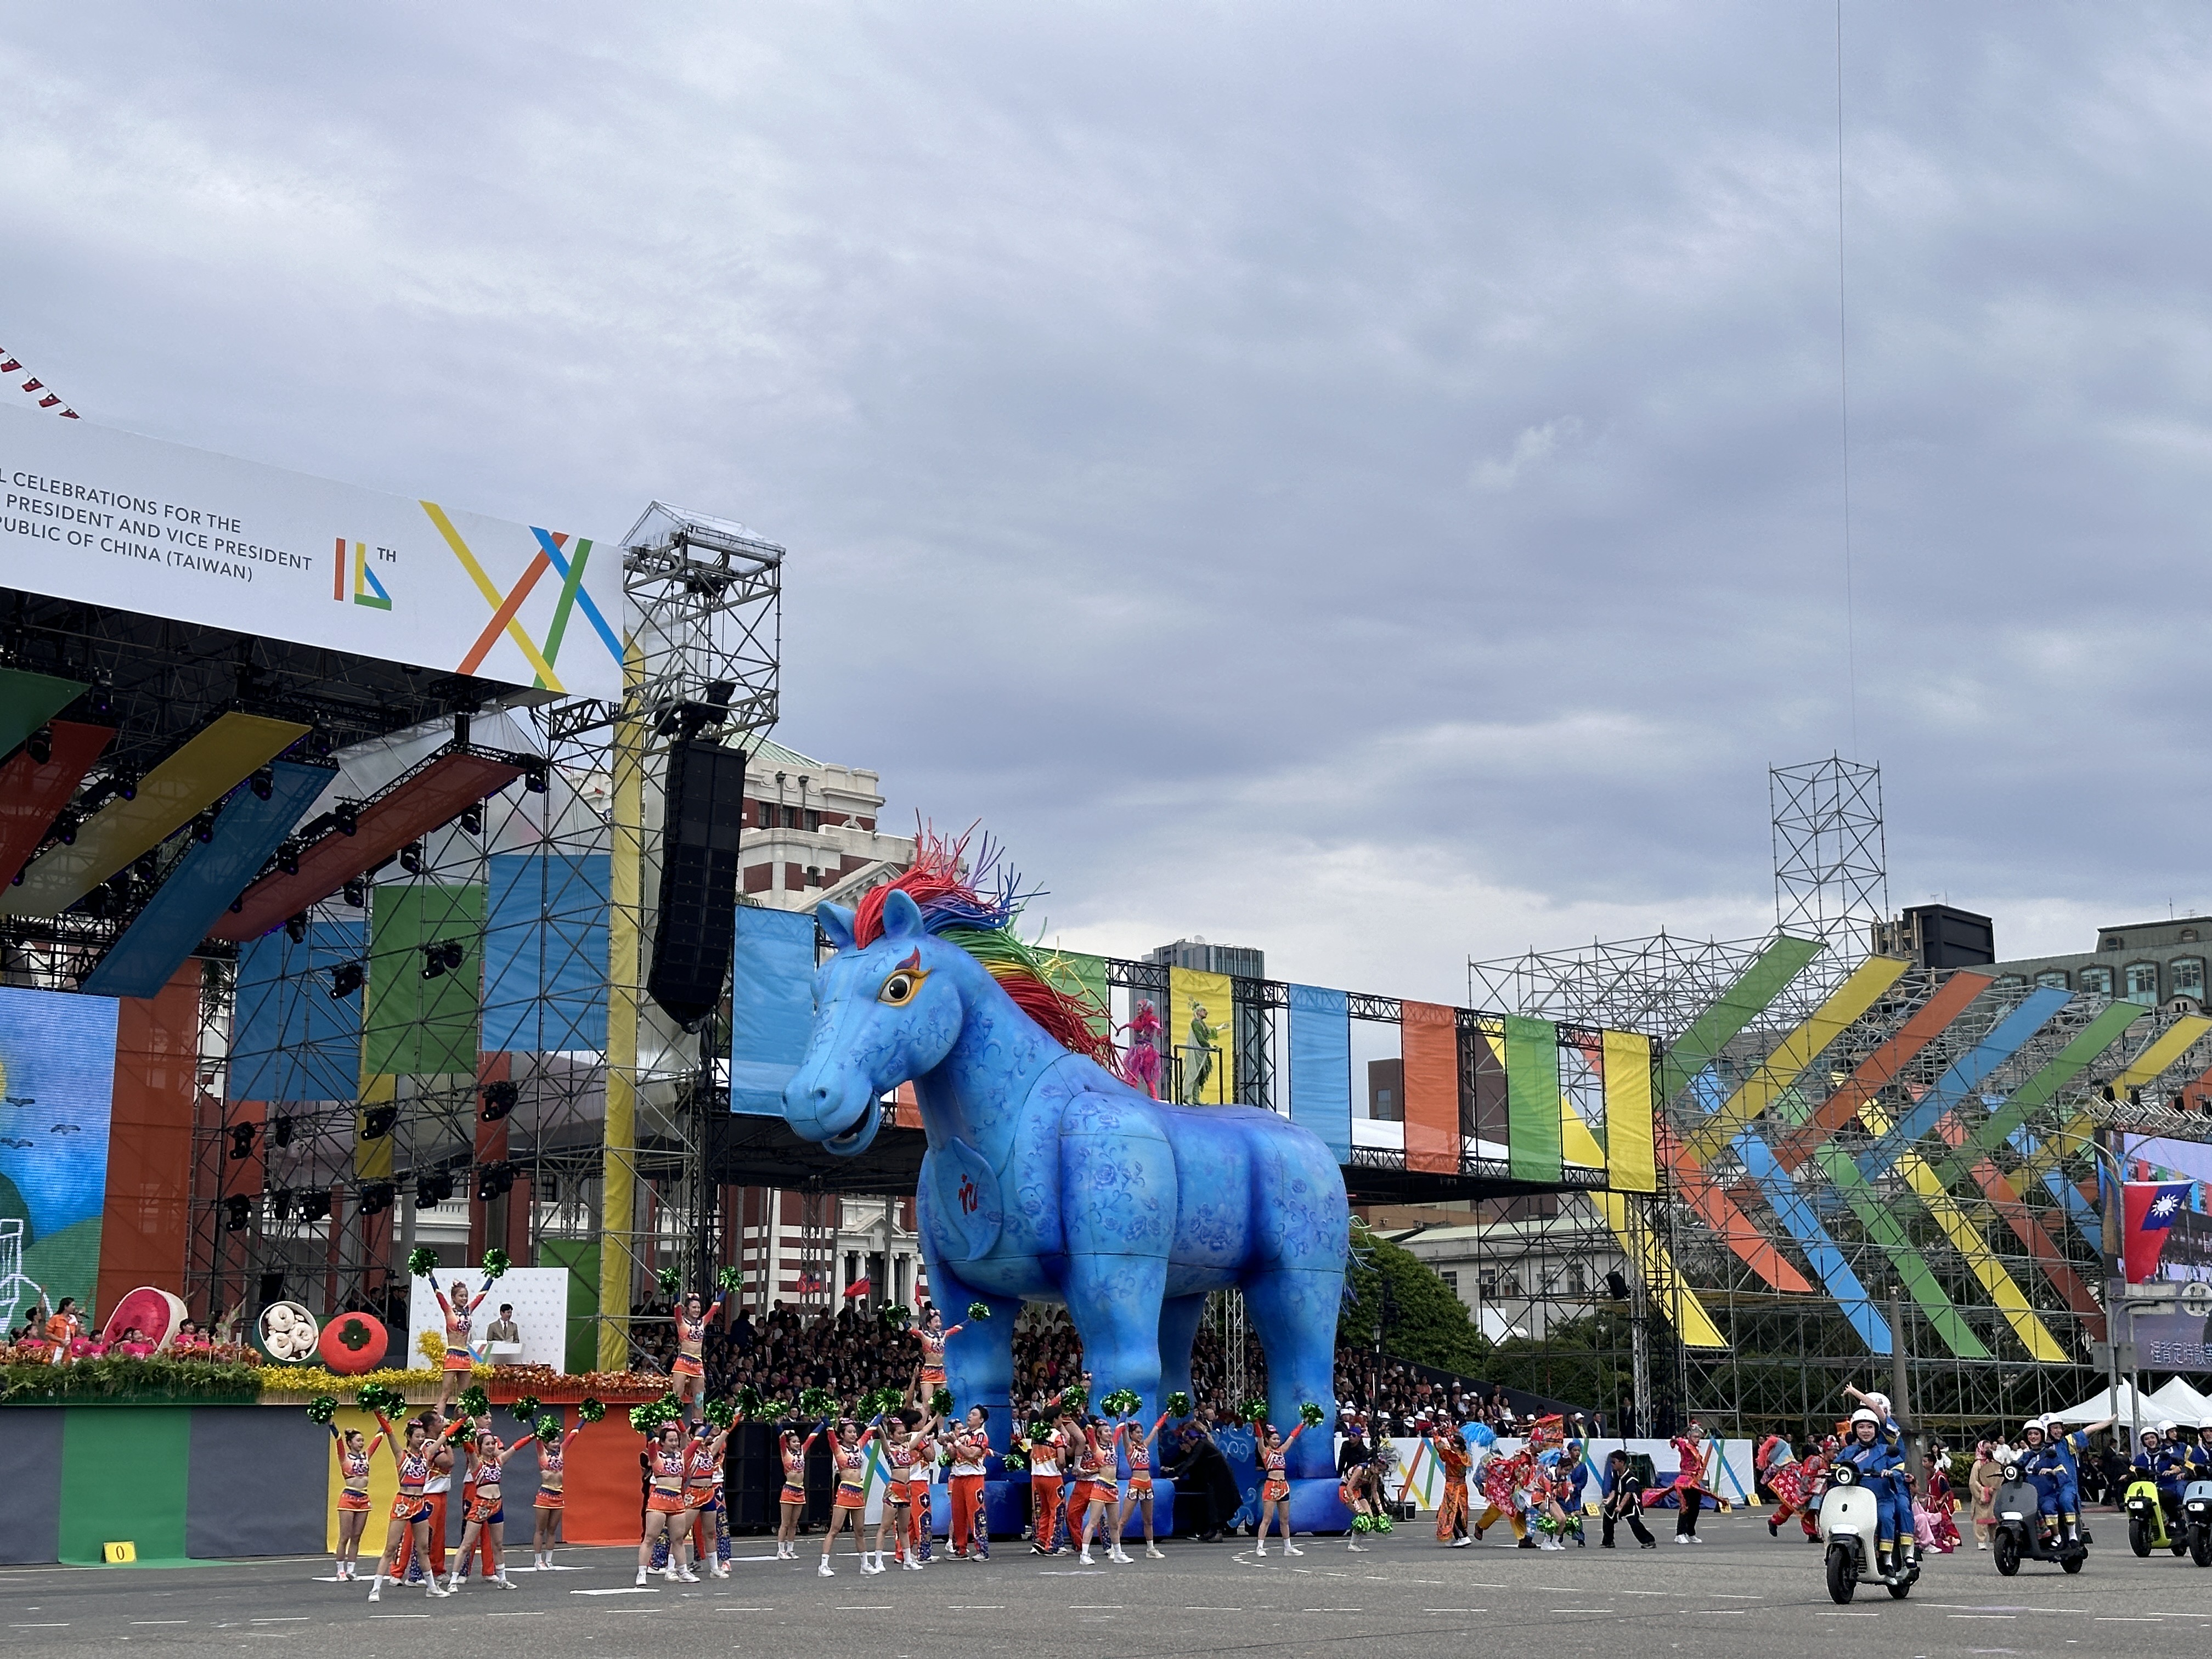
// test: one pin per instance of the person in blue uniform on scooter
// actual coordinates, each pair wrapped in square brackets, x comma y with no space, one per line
[1879,1459]
[2163,1460]
[2058,1456]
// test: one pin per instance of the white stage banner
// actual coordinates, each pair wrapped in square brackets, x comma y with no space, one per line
[133,523]
[540,1298]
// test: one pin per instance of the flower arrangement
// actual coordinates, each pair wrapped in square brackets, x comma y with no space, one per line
[432,1347]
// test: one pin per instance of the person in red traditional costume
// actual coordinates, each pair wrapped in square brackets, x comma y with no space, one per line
[552,1458]
[690,1368]
[1275,1491]
[459,1311]
[1451,1456]
[850,1455]
[793,1451]
[1778,1467]
[1140,1494]
[354,1459]
[1689,1482]
[410,1525]
[666,1464]
[487,1513]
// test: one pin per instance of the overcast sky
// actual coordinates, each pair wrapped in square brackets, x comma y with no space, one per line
[1363,481]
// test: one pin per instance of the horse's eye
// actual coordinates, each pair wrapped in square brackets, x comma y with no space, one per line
[899,989]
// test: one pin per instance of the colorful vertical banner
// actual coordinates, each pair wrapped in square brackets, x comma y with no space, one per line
[1428,1042]
[1631,1162]
[1532,1099]
[771,1005]
[417,1023]
[1080,974]
[545,952]
[56,1086]
[290,1038]
[1200,1021]
[1320,1065]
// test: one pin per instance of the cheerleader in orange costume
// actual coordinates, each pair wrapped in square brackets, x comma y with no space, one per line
[702,1499]
[410,1511]
[354,1458]
[1450,1453]
[907,1439]
[969,1535]
[1275,1492]
[488,1461]
[552,1457]
[1139,1495]
[690,1368]
[851,1456]
[1095,1483]
[666,1464]
[460,1313]
[1044,1453]
[792,1450]
[932,1337]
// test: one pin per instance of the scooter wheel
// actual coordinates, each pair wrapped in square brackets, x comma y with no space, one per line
[1899,1592]
[2007,1547]
[1843,1575]
[2138,1537]
[2200,1545]
[2073,1563]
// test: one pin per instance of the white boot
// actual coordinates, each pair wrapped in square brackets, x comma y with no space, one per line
[1262,1547]
[1291,1549]
[376,1589]
[641,1575]
[1154,1551]
[826,1570]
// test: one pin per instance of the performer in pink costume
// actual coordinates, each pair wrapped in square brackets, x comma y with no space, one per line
[1140,1066]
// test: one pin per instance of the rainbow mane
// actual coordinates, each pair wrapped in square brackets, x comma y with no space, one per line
[974,906]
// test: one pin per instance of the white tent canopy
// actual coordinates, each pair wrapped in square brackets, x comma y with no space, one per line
[2119,1404]
[2178,1402]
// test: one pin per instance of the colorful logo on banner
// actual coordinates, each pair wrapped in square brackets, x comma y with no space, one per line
[2150,1208]
[554,554]
[366,589]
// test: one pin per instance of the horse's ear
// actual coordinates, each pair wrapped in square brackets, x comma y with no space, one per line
[902,916]
[836,924]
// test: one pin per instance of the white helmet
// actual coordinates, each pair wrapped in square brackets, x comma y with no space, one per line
[1877,1403]
[2165,1429]
[1863,1415]
[2035,1425]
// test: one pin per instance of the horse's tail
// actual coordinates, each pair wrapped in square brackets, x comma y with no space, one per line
[1358,1257]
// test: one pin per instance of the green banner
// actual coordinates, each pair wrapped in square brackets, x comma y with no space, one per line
[413,1026]
[1532,1098]
[1084,975]
[1740,1004]
[124,1472]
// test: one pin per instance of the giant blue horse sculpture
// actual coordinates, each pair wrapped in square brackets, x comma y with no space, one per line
[1048,1179]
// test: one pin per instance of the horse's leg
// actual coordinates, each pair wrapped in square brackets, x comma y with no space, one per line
[1117,1186]
[1179,1319]
[1294,1311]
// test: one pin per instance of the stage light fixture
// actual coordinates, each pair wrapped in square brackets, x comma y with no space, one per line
[433,1189]
[287,858]
[99,701]
[296,928]
[263,783]
[241,1140]
[533,780]
[376,1122]
[411,858]
[355,893]
[235,1211]
[2135,1096]
[2112,1096]
[280,1204]
[472,819]
[65,827]
[376,1198]
[146,867]
[499,1099]
[444,956]
[280,1132]
[347,816]
[204,827]
[41,746]
[315,1205]
[719,692]
[493,1180]
[345,979]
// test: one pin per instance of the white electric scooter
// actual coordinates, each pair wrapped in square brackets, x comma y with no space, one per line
[1850,1524]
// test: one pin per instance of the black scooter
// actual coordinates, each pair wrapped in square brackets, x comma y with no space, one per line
[2025,1534]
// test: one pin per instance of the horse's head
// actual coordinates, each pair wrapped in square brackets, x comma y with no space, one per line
[882,1015]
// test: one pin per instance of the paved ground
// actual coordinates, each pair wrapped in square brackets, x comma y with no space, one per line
[1741,1593]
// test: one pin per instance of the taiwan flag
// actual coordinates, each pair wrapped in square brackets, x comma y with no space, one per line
[2150,1207]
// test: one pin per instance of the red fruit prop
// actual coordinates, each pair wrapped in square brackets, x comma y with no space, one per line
[354,1344]
[154,1314]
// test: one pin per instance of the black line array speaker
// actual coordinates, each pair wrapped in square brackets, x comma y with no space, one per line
[698,878]
[755,1477]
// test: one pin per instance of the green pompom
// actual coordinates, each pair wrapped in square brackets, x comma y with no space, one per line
[1362,1522]
[548,1427]
[1038,1429]
[816,1402]
[641,1418]
[897,1315]
[1179,1404]
[1120,1402]
[591,1410]
[721,1413]
[979,1310]
[496,1263]
[730,1278]
[669,1281]
[1311,1415]
[474,1401]
[940,1400]
[372,1396]
[1076,1399]
[525,1409]
[1382,1524]
[774,1411]
[323,1410]
[1254,1410]
[748,1400]
[1015,1463]
[421,1263]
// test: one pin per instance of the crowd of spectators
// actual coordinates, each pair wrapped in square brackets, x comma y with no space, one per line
[854,1351]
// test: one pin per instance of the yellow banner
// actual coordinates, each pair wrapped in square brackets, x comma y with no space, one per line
[1201,1027]
[1632,1163]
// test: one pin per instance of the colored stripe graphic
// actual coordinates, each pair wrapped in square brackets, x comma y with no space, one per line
[1965,1238]
[491,594]
[1533,1145]
[1737,1006]
[1872,1074]
[29,701]
[2041,1245]
[1794,1053]
[574,577]
[1630,1153]
[1961,1078]
[1745,1238]
[1654,1264]
[198,774]
[1820,1249]
[2091,1041]
[2163,1050]
[505,614]
[1912,1269]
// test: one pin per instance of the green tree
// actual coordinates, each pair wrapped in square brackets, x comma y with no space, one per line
[1428,1324]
